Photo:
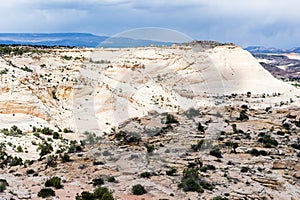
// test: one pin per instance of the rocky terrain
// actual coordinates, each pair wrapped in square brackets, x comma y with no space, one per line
[197,121]
[282,66]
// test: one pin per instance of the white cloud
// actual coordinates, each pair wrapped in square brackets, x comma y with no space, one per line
[241,21]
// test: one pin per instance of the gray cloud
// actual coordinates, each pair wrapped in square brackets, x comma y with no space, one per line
[257,22]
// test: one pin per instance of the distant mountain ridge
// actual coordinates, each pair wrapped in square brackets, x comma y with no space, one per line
[261,49]
[52,39]
[73,39]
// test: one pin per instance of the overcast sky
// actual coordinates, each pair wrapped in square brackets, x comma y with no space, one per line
[244,22]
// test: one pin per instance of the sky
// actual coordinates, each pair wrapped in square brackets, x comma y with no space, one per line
[270,23]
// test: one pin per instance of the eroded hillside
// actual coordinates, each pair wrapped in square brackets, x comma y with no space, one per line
[185,122]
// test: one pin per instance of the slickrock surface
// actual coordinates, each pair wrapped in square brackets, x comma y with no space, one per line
[207,109]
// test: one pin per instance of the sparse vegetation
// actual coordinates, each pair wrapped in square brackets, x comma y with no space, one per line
[3,185]
[138,190]
[54,182]
[268,141]
[191,181]
[45,148]
[171,172]
[101,193]
[46,192]
[216,152]
[98,181]
[171,119]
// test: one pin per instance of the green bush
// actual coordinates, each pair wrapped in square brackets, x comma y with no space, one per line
[3,185]
[191,181]
[19,149]
[171,172]
[55,135]
[111,179]
[216,152]
[146,174]
[138,189]
[220,198]
[16,161]
[54,182]
[85,196]
[100,193]
[65,158]
[170,119]
[267,141]
[30,171]
[46,192]
[197,147]
[255,152]
[45,149]
[243,116]
[98,181]
[244,169]
[150,148]
[200,128]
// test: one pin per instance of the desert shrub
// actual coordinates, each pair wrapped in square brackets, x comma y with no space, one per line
[51,161]
[150,148]
[191,113]
[171,172]
[211,167]
[138,189]
[203,169]
[46,192]
[281,133]
[45,148]
[255,152]
[146,174]
[19,149]
[244,169]
[267,141]
[128,137]
[98,181]
[244,106]
[13,131]
[54,182]
[67,130]
[286,126]
[111,179]
[46,131]
[220,198]
[195,165]
[200,127]
[14,161]
[171,119]
[100,191]
[4,71]
[65,57]
[296,145]
[30,171]
[191,181]
[85,196]
[243,116]
[216,152]
[248,94]
[3,185]
[297,123]
[74,147]
[197,147]
[55,135]
[234,128]
[65,158]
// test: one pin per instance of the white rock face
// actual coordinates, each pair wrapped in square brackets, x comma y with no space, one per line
[100,88]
